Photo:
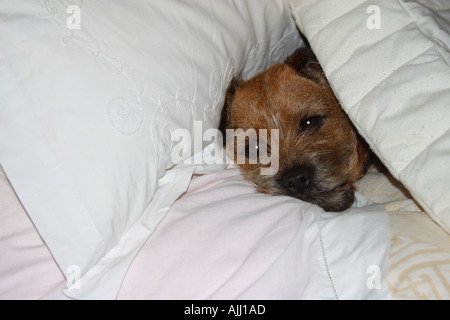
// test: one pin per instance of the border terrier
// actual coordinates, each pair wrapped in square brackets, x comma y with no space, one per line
[319,152]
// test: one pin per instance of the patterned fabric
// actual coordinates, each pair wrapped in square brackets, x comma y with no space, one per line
[418,270]
[419,264]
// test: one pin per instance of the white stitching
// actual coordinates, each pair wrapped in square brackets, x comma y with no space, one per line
[326,262]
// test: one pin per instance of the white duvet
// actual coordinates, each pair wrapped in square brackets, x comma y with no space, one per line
[222,240]
[388,63]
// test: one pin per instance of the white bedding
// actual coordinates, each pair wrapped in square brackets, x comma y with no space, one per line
[221,240]
[93,154]
[173,264]
[90,92]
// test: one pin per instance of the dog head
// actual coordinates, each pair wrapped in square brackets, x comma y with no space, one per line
[318,150]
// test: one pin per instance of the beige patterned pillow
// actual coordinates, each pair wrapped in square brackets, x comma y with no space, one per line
[418,270]
[419,264]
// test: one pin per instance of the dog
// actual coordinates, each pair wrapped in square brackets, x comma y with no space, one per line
[320,153]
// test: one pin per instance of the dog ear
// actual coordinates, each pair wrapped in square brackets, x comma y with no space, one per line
[306,64]
[368,155]
[361,158]
[229,96]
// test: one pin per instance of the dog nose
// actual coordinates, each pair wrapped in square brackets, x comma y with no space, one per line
[297,179]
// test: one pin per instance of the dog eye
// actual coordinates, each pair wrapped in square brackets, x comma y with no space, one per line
[251,150]
[311,123]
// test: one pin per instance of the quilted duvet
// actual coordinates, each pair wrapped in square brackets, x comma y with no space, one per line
[389,66]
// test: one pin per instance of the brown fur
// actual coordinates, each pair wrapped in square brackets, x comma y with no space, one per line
[320,152]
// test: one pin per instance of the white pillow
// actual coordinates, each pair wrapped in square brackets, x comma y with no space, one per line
[389,64]
[89,96]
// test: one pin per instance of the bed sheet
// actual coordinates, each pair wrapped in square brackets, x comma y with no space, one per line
[419,263]
[222,240]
